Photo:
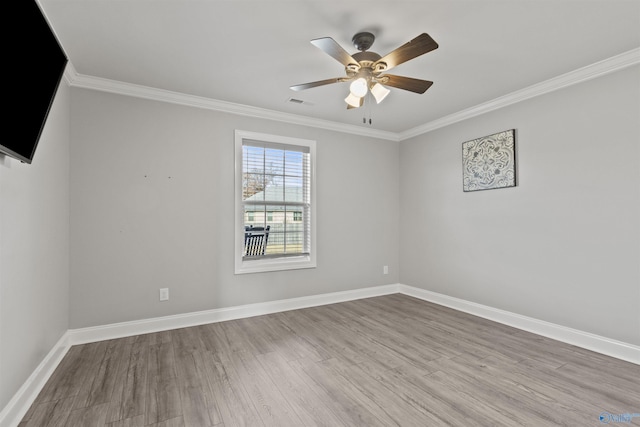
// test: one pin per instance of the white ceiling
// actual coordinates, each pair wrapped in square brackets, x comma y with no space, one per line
[249,52]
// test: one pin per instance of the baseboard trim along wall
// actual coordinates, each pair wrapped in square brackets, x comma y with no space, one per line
[18,406]
[20,403]
[597,343]
[137,327]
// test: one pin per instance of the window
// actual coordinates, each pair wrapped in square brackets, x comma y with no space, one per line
[274,188]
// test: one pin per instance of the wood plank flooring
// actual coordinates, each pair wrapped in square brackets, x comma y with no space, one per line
[384,361]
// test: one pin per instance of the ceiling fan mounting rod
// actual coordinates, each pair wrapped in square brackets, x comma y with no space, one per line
[363,41]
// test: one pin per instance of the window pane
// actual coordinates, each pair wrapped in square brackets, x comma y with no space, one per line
[252,172]
[274,161]
[274,191]
[293,189]
[275,219]
[295,240]
[254,215]
[293,161]
[274,175]
[287,227]
[253,159]
[252,186]
[295,230]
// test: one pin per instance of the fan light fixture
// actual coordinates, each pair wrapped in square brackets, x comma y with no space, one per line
[354,101]
[379,92]
[359,87]
[367,70]
[358,90]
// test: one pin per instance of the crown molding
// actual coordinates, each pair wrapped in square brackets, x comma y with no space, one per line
[96,83]
[580,75]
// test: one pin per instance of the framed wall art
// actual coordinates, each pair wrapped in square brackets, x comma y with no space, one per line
[489,162]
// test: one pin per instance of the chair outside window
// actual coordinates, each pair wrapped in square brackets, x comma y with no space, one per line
[255,240]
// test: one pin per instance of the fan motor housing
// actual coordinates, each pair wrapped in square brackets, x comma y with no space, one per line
[366,60]
[366,57]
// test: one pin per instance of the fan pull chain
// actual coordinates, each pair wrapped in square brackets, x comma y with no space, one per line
[368,105]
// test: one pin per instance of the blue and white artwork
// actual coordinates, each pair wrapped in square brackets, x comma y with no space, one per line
[489,162]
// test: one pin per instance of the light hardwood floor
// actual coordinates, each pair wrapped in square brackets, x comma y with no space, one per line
[384,361]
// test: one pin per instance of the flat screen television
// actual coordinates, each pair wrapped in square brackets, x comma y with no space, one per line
[39,61]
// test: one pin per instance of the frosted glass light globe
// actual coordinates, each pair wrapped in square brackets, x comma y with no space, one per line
[359,87]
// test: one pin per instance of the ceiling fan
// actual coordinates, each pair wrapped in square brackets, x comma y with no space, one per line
[366,70]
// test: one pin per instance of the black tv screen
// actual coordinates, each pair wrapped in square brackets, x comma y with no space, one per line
[39,61]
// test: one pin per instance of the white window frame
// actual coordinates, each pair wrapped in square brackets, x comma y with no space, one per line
[243,266]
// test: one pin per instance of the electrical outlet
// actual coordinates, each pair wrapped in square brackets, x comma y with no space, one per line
[385,269]
[164,294]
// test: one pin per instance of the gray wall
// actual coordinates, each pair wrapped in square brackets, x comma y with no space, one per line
[147,189]
[34,251]
[564,245]
[152,206]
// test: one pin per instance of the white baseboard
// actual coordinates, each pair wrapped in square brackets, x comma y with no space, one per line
[18,406]
[137,327]
[15,410]
[586,340]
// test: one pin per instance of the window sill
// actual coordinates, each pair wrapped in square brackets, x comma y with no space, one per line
[274,264]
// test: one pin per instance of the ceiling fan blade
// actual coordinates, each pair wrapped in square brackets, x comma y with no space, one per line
[318,83]
[406,83]
[416,47]
[333,49]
